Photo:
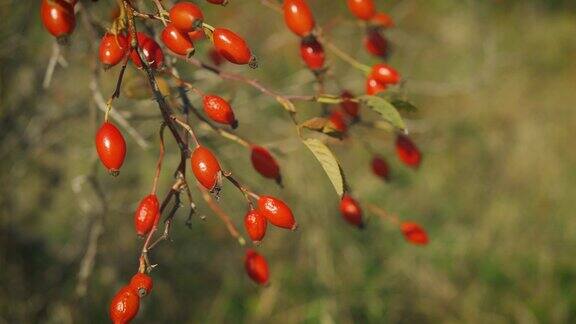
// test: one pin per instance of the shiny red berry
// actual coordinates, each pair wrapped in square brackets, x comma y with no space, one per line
[382,20]
[256,267]
[414,233]
[113,48]
[215,57]
[384,73]
[205,167]
[276,212]
[407,151]
[348,106]
[219,2]
[186,16]
[111,147]
[298,17]
[312,53]
[255,225]
[147,214]
[233,47]
[374,86]
[351,211]
[124,305]
[177,41]
[141,283]
[380,168]
[376,44]
[265,163]
[362,9]
[196,35]
[219,110]
[58,18]
[151,50]
[338,121]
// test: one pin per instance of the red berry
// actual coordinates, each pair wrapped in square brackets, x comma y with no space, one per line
[177,41]
[256,267]
[276,212]
[298,17]
[382,20]
[265,163]
[338,122]
[407,151]
[351,211]
[414,233]
[111,147]
[147,214]
[186,16]
[196,35]
[350,107]
[232,47]
[151,50]
[205,167]
[215,57]
[362,9]
[124,305]
[376,44]
[255,225]
[219,2]
[58,18]
[113,48]
[384,73]
[374,86]
[141,283]
[219,110]
[380,168]
[312,53]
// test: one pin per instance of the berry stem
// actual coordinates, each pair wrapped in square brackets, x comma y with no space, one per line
[346,57]
[160,158]
[393,218]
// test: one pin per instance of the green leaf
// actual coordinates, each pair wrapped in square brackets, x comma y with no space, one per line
[329,163]
[384,108]
[321,125]
[404,105]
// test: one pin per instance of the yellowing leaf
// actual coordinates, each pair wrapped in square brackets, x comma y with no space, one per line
[385,109]
[329,163]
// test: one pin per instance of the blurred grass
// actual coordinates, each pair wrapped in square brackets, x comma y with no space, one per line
[495,82]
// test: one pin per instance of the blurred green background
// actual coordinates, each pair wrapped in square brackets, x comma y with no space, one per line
[496,85]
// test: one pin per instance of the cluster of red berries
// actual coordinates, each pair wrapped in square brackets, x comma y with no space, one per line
[184,26]
[125,304]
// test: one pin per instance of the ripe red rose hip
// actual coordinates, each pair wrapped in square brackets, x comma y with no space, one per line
[380,168]
[113,48]
[265,163]
[276,212]
[382,20]
[186,16]
[219,110]
[414,233]
[384,73]
[376,44]
[177,41]
[338,121]
[362,9]
[351,211]
[196,35]
[348,106]
[233,47]
[374,86]
[205,167]
[111,147]
[58,18]
[147,214]
[255,225]
[256,267]
[407,151]
[124,305]
[151,50]
[298,17]
[141,283]
[312,53]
